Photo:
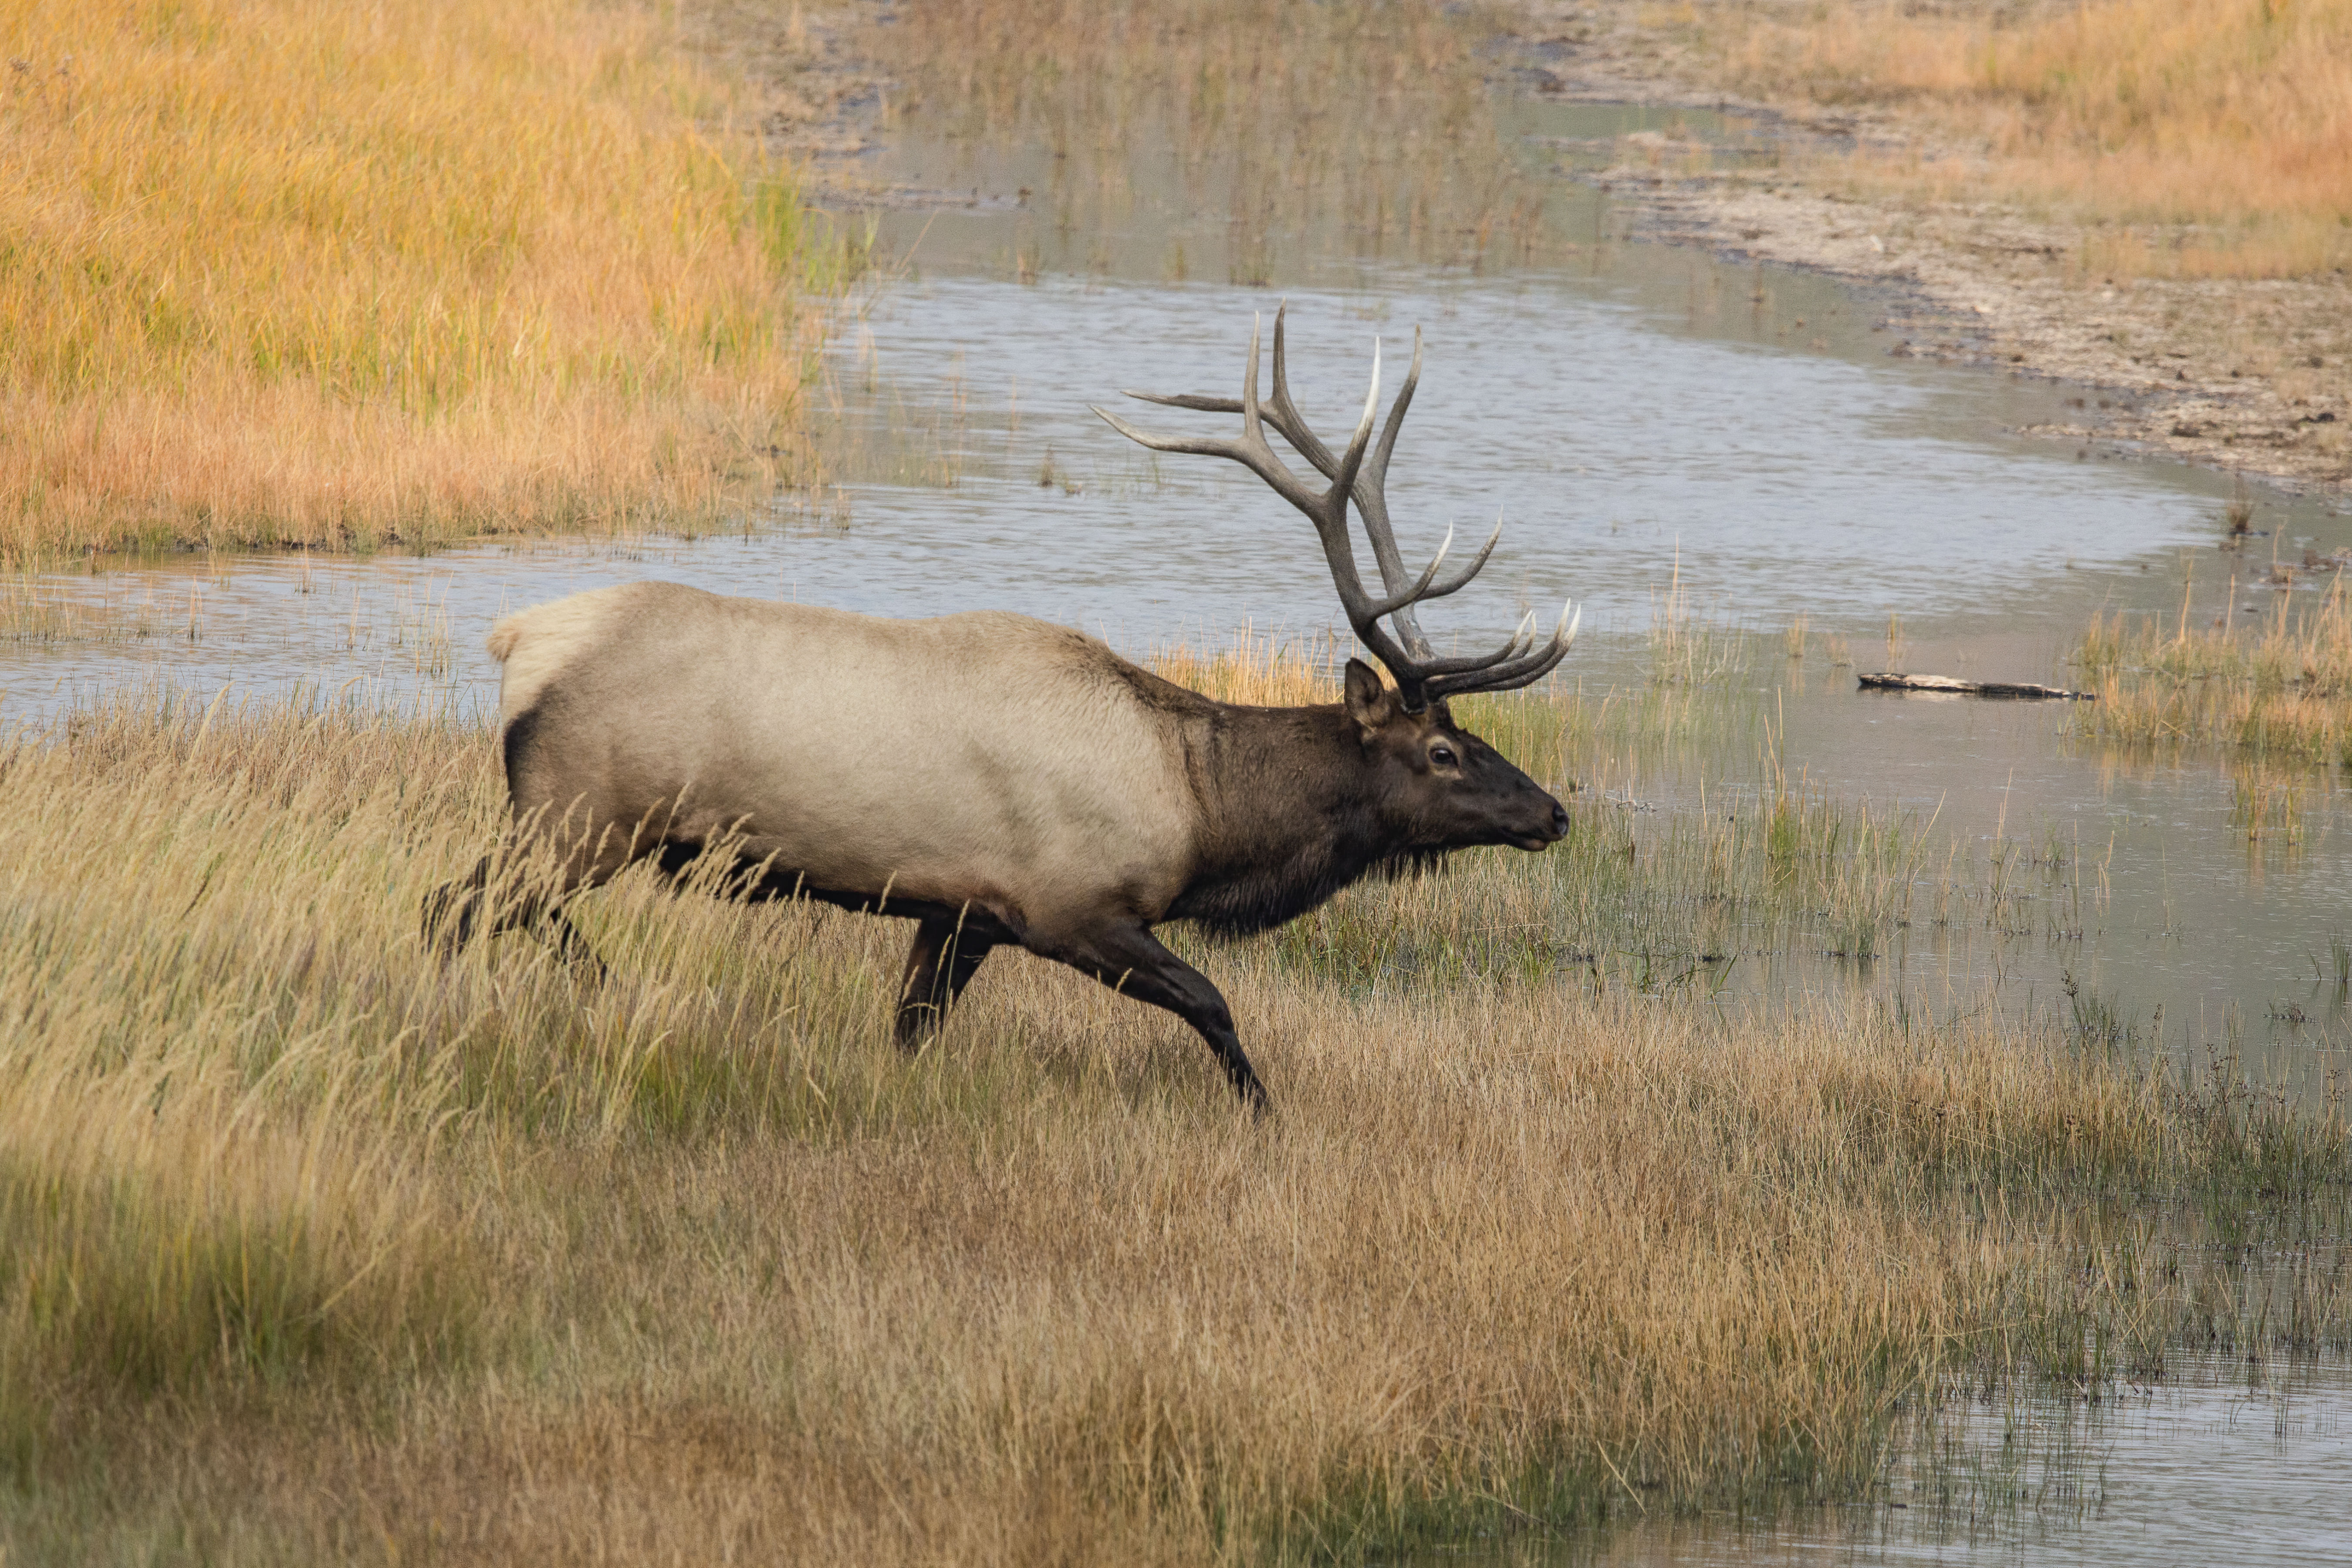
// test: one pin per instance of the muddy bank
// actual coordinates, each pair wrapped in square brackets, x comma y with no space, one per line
[2251,376]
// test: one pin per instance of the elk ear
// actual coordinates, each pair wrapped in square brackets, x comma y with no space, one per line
[1370,704]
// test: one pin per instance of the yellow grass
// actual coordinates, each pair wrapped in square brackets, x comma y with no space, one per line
[362,1254]
[2276,685]
[2228,122]
[285,271]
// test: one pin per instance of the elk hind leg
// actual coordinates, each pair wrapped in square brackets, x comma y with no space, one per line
[453,910]
[485,902]
[499,894]
[945,956]
[476,904]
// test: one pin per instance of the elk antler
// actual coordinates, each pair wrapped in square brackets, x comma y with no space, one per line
[1420,674]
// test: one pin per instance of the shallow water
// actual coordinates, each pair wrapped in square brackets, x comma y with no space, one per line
[2249,1466]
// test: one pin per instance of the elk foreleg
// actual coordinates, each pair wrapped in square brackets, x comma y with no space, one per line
[946,954]
[570,946]
[1130,960]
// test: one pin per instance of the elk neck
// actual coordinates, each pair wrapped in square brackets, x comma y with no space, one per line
[1287,814]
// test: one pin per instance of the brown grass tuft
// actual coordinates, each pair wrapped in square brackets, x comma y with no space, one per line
[2276,686]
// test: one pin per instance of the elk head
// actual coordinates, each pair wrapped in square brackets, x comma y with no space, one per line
[1435,786]
[1441,786]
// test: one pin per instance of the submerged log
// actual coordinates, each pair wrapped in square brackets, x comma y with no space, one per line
[1890,682]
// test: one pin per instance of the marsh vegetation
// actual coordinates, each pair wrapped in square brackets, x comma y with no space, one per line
[1368,130]
[317,1246]
[2272,684]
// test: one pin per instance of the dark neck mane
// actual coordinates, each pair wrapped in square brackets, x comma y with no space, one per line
[1286,820]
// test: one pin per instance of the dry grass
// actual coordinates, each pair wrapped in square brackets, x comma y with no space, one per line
[283,271]
[2276,686]
[2227,124]
[1318,129]
[487,1262]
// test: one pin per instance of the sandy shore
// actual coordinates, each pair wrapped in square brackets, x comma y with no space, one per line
[2251,377]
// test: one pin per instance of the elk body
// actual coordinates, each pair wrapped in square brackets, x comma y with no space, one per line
[998,779]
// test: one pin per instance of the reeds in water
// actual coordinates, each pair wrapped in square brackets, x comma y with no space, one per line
[2276,686]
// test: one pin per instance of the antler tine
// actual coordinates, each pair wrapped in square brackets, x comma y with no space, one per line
[1396,414]
[1513,647]
[1345,480]
[1251,429]
[1278,412]
[1420,590]
[1509,674]
[1205,402]
[1342,474]
[1476,667]
[1292,425]
[1250,449]
[1537,666]
[1461,579]
[1328,510]
[1372,504]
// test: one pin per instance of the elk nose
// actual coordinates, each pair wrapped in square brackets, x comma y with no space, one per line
[1558,821]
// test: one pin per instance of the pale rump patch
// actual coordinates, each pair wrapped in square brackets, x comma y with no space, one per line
[535,644]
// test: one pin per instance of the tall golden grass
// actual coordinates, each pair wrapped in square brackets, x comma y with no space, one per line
[286,271]
[2228,121]
[316,1246]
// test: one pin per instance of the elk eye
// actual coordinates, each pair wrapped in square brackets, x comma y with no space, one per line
[1441,755]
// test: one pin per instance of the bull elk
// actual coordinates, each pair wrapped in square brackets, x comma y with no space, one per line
[1001,781]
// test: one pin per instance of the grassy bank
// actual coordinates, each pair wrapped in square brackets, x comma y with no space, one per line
[289,272]
[317,1248]
[2203,138]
